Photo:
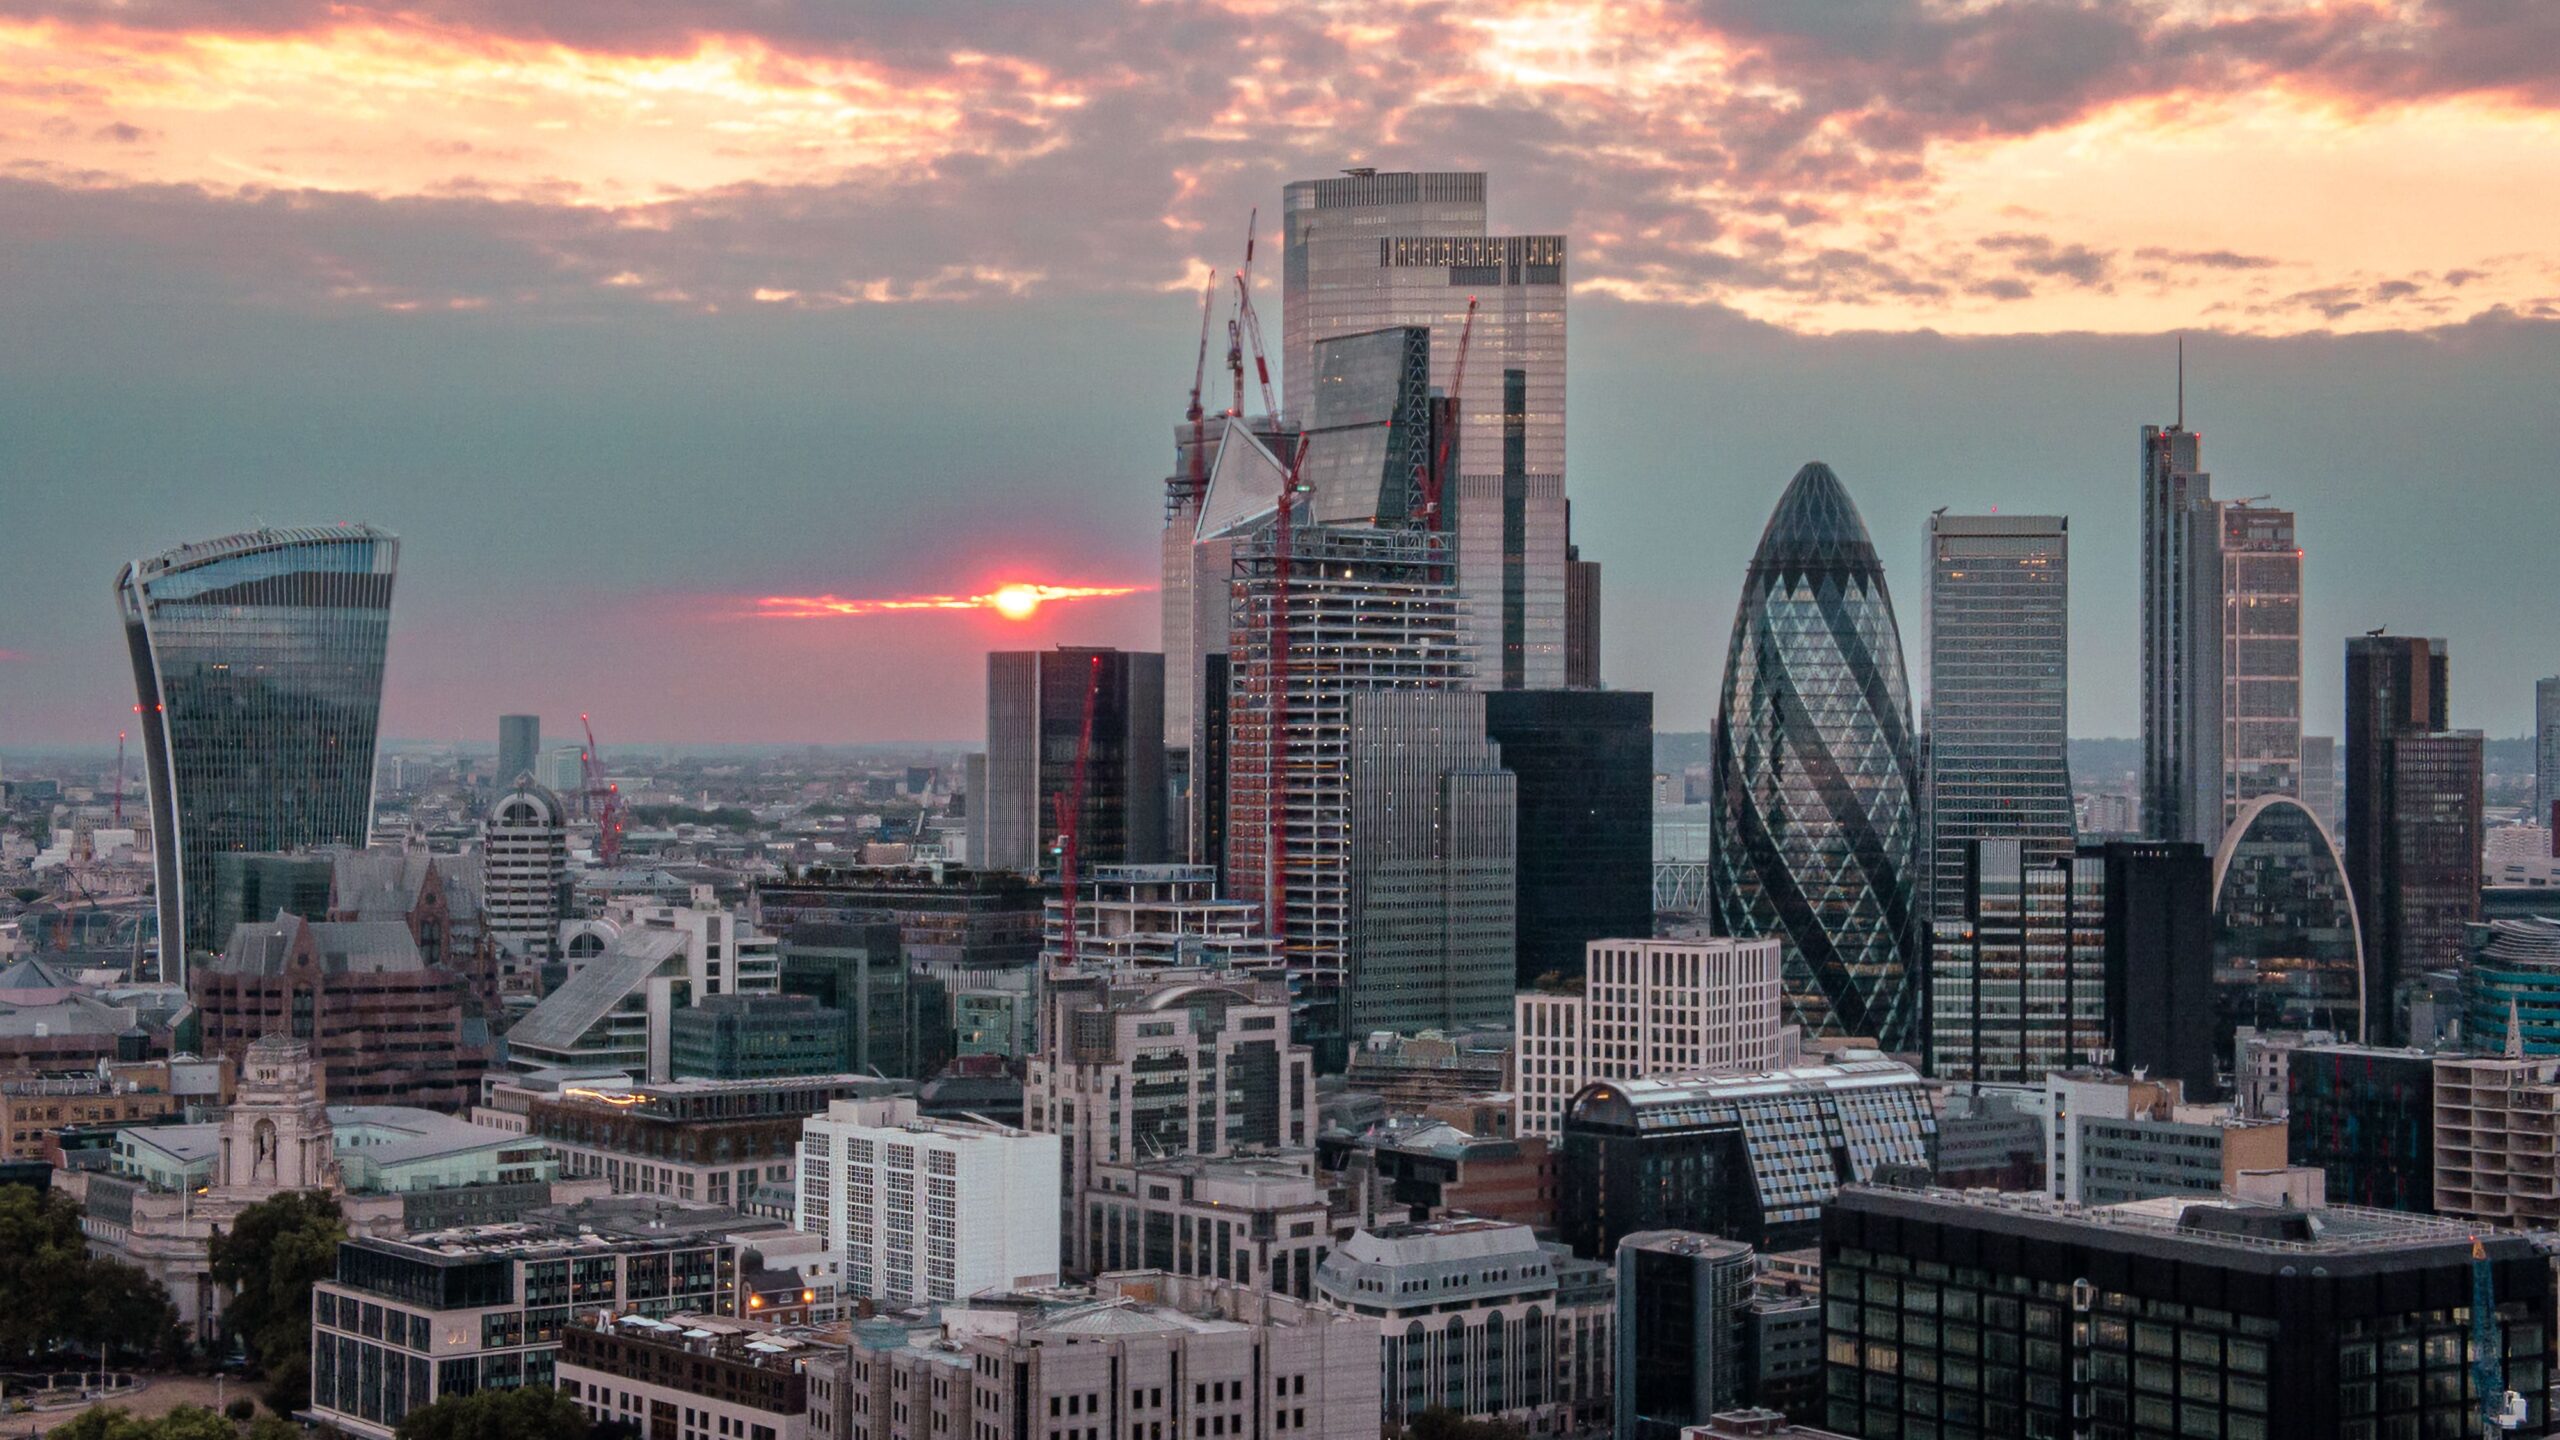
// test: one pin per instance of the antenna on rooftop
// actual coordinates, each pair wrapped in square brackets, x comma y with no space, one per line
[2182,382]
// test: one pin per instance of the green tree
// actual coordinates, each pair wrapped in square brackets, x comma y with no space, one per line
[121,1309]
[530,1412]
[269,1259]
[114,1422]
[43,1260]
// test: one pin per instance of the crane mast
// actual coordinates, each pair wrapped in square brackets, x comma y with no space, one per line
[600,799]
[1435,480]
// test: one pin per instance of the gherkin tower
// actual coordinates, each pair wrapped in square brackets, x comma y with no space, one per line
[1817,776]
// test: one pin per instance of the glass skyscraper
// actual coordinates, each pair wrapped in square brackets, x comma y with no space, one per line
[257,663]
[1817,785]
[2287,951]
[1999,673]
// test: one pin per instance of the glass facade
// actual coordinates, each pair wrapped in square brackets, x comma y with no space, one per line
[2513,979]
[2365,1119]
[1999,673]
[257,665]
[2261,657]
[1035,724]
[2287,954]
[2018,985]
[1817,816]
[1584,760]
[2180,692]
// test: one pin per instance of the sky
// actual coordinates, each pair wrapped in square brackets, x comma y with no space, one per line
[627,316]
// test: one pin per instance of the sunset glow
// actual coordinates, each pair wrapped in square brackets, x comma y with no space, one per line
[1019,600]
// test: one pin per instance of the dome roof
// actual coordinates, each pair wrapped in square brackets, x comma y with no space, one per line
[1815,528]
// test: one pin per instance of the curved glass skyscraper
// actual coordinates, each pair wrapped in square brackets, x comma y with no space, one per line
[257,659]
[1817,776]
[2287,952]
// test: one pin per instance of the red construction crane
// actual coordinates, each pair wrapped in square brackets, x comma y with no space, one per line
[1246,330]
[1436,478]
[1276,811]
[119,778]
[1070,806]
[599,798]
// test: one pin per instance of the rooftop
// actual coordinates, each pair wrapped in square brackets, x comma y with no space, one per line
[783,1349]
[2332,1233]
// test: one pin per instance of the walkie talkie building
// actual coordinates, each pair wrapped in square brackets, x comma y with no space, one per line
[257,661]
[1817,816]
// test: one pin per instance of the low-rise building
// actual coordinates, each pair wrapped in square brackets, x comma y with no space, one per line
[755,1037]
[928,1210]
[2497,1139]
[1645,1007]
[1408,1169]
[1412,1072]
[1480,1317]
[388,1026]
[688,1377]
[2365,1118]
[34,1108]
[1264,1220]
[2117,1139]
[711,1141]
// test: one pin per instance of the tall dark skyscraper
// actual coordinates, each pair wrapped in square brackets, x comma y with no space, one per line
[2412,818]
[519,743]
[1817,784]
[1998,618]
[2181,642]
[1584,761]
[2159,958]
[257,665]
[1035,720]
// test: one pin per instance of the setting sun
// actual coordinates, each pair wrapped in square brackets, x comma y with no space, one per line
[1017,602]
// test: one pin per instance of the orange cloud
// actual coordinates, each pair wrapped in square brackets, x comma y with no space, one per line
[1015,601]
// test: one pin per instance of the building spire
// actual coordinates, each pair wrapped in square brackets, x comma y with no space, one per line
[2515,1031]
[2182,383]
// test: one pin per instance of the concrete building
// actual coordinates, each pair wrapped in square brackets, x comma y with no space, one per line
[755,1037]
[1645,1008]
[524,843]
[385,1026]
[406,1322]
[1262,1221]
[1481,1318]
[2114,1139]
[710,1141]
[2495,1122]
[688,1376]
[1173,1062]
[2261,1070]
[1999,656]
[34,1109]
[922,1211]
[1139,917]
[618,1008]
[1140,1354]
[1036,708]
[1429,861]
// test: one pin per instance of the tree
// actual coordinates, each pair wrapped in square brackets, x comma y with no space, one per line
[43,1260]
[529,1412]
[119,1308]
[269,1259]
[114,1422]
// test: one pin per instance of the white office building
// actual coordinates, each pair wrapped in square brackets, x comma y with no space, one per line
[1646,1008]
[925,1211]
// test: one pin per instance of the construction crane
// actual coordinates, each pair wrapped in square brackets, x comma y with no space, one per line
[1246,330]
[1275,722]
[599,798]
[2501,1409]
[1197,482]
[119,820]
[1070,806]
[1436,478]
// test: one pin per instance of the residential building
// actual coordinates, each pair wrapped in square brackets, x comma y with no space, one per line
[2288,954]
[711,1141]
[1038,704]
[524,846]
[687,1376]
[386,1026]
[1813,688]
[920,1211]
[409,1321]
[1999,655]
[1482,1318]
[1173,1062]
[2166,1316]
[1644,1008]
[1137,1353]
[1683,1327]
[2413,802]
[2365,1118]
[1429,865]
[858,970]
[1370,249]
[257,663]
[1262,1221]
[1750,1156]
[755,1037]
[2018,973]
[2495,1118]
[2115,1139]
[1582,766]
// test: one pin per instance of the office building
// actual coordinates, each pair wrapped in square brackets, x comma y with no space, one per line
[2288,954]
[1999,657]
[1683,1326]
[708,1141]
[2260,670]
[250,888]
[1037,701]
[1170,1062]
[2166,1317]
[755,1037]
[1481,1318]
[2018,977]
[1644,1008]
[1428,861]
[618,1008]
[2261,1062]
[1750,1156]
[387,1027]
[724,1378]
[1137,917]
[1411,1073]
[1261,1221]
[257,664]
[2181,637]
[519,744]
[2511,986]
[920,1211]
[949,917]
[2365,1119]
[524,880]
[1817,814]
[1583,764]
[1141,1353]
[2159,941]
[2115,1139]
[1425,1167]
[858,970]
[2412,819]
[1366,250]
[407,1322]
[2546,752]
[1581,621]
[2320,781]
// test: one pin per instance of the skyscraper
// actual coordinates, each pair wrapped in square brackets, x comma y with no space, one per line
[2159,939]
[1367,249]
[1036,704]
[2287,952]
[2018,978]
[1584,759]
[1429,864]
[519,742]
[1817,815]
[257,666]
[2413,818]
[2261,666]
[2546,752]
[524,845]
[1999,672]
[2181,651]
